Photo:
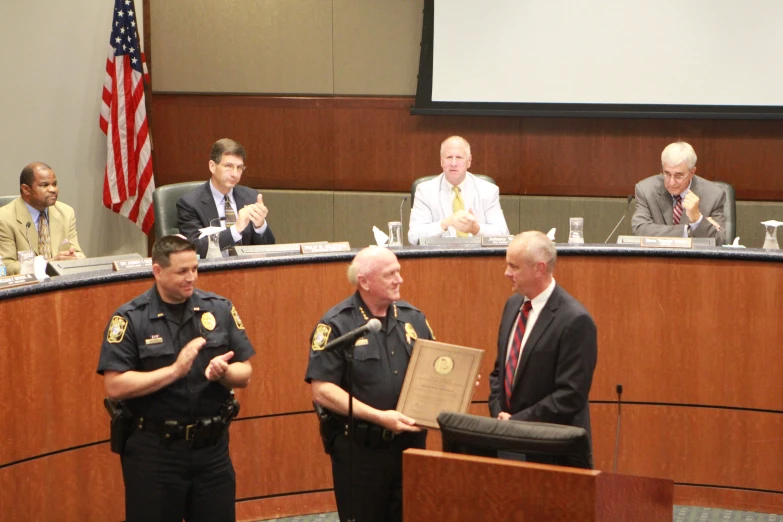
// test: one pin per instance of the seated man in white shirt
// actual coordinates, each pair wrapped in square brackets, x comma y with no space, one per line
[677,202]
[456,203]
[223,202]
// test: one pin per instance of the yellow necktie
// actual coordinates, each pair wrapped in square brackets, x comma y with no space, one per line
[44,245]
[456,205]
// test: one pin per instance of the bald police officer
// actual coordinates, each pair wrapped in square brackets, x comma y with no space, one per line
[380,362]
[173,355]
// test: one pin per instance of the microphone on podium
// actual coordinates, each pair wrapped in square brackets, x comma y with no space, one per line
[627,206]
[619,390]
[373,325]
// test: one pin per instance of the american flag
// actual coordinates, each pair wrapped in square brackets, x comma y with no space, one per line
[127,182]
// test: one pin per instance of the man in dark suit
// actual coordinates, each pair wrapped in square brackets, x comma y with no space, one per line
[222,197]
[677,202]
[547,345]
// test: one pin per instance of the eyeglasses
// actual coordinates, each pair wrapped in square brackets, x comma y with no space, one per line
[230,166]
[675,177]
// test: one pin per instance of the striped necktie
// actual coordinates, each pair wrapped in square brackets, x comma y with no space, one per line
[677,210]
[516,346]
[456,205]
[231,217]
[44,243]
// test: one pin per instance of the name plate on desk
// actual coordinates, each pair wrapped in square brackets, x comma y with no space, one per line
[17,280]
[132,264]
[491,241]
[325,248]
[459,241]
[666,242]
[277,249]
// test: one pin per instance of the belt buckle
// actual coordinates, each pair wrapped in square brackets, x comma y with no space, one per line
[387,435]
[189,430]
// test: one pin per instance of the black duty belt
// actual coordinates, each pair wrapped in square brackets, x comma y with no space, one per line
[203,432]
[372,435]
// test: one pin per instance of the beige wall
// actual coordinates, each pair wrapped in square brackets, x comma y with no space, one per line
[343,47]
[52,62]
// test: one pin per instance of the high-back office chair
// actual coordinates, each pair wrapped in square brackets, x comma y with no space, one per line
[427,178]
[729,211]
[164,204]
[4,200]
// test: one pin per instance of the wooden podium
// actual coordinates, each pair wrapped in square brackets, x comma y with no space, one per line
[447,486]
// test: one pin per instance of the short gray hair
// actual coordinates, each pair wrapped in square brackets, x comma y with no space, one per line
[538,247]
[679,152]
[464,142]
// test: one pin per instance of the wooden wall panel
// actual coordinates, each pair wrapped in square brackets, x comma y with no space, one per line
[692,445]
[375,144]
[288,141]
[73,486]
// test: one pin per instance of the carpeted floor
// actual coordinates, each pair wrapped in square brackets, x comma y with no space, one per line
[681,514]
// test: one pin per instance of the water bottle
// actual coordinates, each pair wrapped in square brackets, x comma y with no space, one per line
[3,272]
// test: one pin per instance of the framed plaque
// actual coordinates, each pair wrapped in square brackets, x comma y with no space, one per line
[440,377]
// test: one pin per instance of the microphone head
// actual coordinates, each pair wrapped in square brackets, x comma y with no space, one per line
[27,224]
[374,325]
[628,202]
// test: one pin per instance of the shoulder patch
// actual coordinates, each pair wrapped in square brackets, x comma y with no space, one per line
[321,336]
[117,329]
[237,320]
[432,334]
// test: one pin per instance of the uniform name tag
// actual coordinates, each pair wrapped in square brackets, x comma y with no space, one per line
[362,342]
[154,340]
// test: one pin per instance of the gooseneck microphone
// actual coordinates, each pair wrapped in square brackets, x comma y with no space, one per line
[619,419]
[27,235]
[373,325]
[404,199]
[627,206]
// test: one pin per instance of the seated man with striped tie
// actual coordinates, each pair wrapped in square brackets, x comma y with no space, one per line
[37,221]
[547,345]
[677,202]
[222,202]
[456,203]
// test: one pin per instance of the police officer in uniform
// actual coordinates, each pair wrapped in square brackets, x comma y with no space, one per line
[380,360]
[173,356]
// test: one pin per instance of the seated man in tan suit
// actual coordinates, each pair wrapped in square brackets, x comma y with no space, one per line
[21,221]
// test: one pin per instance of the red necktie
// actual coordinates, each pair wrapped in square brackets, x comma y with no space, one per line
[677,210]
[516,345]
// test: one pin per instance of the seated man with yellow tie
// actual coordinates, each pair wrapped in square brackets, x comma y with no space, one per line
[37,221]
[222,202]
[677,202]
[456,203]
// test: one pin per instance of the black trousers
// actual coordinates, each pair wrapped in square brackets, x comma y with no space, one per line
[377,480]
[174,482]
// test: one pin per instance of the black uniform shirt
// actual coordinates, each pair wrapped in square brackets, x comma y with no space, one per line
[380,358]
[144,335]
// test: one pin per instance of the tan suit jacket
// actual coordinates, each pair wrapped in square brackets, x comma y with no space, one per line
[13,231]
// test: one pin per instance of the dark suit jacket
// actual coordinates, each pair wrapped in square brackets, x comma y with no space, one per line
[555,373]
[655,208]
[197,208]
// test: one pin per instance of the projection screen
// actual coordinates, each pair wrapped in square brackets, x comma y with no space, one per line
[662,58]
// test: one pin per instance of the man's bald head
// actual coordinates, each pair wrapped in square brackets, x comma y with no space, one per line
[375,272]
[367,261]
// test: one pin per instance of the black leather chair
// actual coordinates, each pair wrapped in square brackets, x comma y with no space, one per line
[729,211]
[4,200]
[427,178]
[164,204]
